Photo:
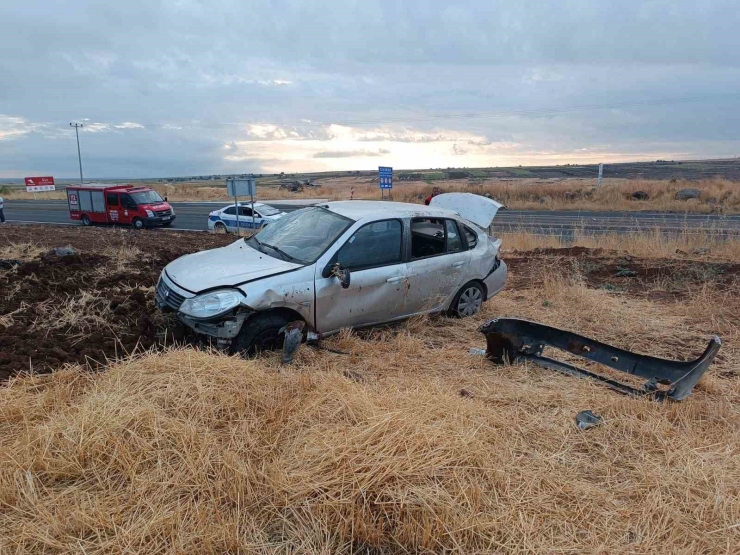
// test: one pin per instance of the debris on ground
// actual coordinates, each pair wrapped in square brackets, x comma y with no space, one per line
[62,251]
[293,336]
[587,419]
[8,264]
[467,394]
[687,194]
[354,376]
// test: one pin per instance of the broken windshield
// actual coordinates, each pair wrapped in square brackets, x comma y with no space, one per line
[301,236]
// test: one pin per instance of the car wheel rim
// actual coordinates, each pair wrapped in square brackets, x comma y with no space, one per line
[220,228]
[470,302]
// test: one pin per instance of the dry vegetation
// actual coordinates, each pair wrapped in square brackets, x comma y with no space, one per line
[717,195]
[376,450]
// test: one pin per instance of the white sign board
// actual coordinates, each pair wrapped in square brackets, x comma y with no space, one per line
[241,187]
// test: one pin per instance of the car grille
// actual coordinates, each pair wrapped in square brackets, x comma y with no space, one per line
[168,297]
[160,213]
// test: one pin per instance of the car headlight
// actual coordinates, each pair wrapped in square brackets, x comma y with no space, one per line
[150,213]
[172,210]
[211,304]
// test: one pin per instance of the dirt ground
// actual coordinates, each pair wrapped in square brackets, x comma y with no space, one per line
[98,304]
[87,308]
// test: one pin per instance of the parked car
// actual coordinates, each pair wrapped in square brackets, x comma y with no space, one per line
[339,265]
[224,219]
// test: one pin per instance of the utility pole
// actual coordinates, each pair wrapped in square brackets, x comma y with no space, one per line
[79,156]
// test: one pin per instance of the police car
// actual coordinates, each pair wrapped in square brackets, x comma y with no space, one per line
[224,220]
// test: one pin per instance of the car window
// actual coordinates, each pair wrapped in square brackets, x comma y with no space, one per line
[427,237]
[268,210]
[454,242]
[246,211]
[128,202]
[112,199]
[147,197]
[375,244]
[471,236]
[302,236]
[231,211]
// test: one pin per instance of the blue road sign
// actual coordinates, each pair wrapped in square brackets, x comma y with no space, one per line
[386,177]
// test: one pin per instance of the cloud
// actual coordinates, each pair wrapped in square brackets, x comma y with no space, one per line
[162,86]
[362,153]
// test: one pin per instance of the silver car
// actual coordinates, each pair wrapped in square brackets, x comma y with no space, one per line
[339,265]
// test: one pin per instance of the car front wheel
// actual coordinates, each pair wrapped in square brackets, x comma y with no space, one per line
[468,301]
[261,333]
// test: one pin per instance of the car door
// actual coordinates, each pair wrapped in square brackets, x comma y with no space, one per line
[127,208]
[245,220]
[437,266]
[228,217]
[115,211]
[374,256]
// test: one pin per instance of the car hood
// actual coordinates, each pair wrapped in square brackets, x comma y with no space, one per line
[224,267]
[474,208]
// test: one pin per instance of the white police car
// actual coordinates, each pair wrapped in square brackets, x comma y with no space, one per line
[224,220]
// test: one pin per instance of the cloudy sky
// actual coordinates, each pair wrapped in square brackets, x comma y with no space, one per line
[182,87]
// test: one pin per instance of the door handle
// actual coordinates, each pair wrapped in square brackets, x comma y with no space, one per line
[458,264]
[398,279]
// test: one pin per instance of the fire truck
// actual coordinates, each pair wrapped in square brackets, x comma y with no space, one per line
[118,204]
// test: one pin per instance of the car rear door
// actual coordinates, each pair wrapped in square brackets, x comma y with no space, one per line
[377,291]
[437,266]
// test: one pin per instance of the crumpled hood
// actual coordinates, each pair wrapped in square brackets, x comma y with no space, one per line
[224,267]
[474,208]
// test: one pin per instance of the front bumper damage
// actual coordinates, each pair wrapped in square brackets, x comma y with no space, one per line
[511,339]
[223,329]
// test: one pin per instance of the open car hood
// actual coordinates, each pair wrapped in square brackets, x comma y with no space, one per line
[475,208]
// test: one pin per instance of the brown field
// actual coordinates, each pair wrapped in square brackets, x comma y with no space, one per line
[373,450]
[717,195]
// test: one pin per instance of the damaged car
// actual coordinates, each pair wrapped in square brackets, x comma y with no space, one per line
[336,265]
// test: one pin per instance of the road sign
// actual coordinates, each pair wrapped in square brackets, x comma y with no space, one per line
[601,173]
[38,184]
[240,187]
[386,177]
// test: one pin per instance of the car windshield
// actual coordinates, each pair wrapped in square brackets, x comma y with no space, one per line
[147,197]
[267,210]
[301,236]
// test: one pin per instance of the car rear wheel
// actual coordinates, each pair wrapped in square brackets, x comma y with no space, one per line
[468,300]
[138,224]
[262,333]
[86,220]
[219,227]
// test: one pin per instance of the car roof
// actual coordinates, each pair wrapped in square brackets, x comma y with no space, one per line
[360,209]
[247,204]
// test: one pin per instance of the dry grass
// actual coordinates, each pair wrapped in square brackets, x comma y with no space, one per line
[191,452]
[695,243]
[21,251]
[718,195]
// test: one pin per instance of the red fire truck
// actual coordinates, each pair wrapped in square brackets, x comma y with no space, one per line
[119,204]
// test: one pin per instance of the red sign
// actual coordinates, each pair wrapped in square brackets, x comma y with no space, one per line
[39,184]
[33,181]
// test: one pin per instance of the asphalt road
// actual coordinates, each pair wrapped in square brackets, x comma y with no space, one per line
[193,216]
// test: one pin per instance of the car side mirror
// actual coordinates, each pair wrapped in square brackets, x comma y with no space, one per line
[341,273]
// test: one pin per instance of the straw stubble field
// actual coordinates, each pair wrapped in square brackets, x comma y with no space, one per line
[375,450]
